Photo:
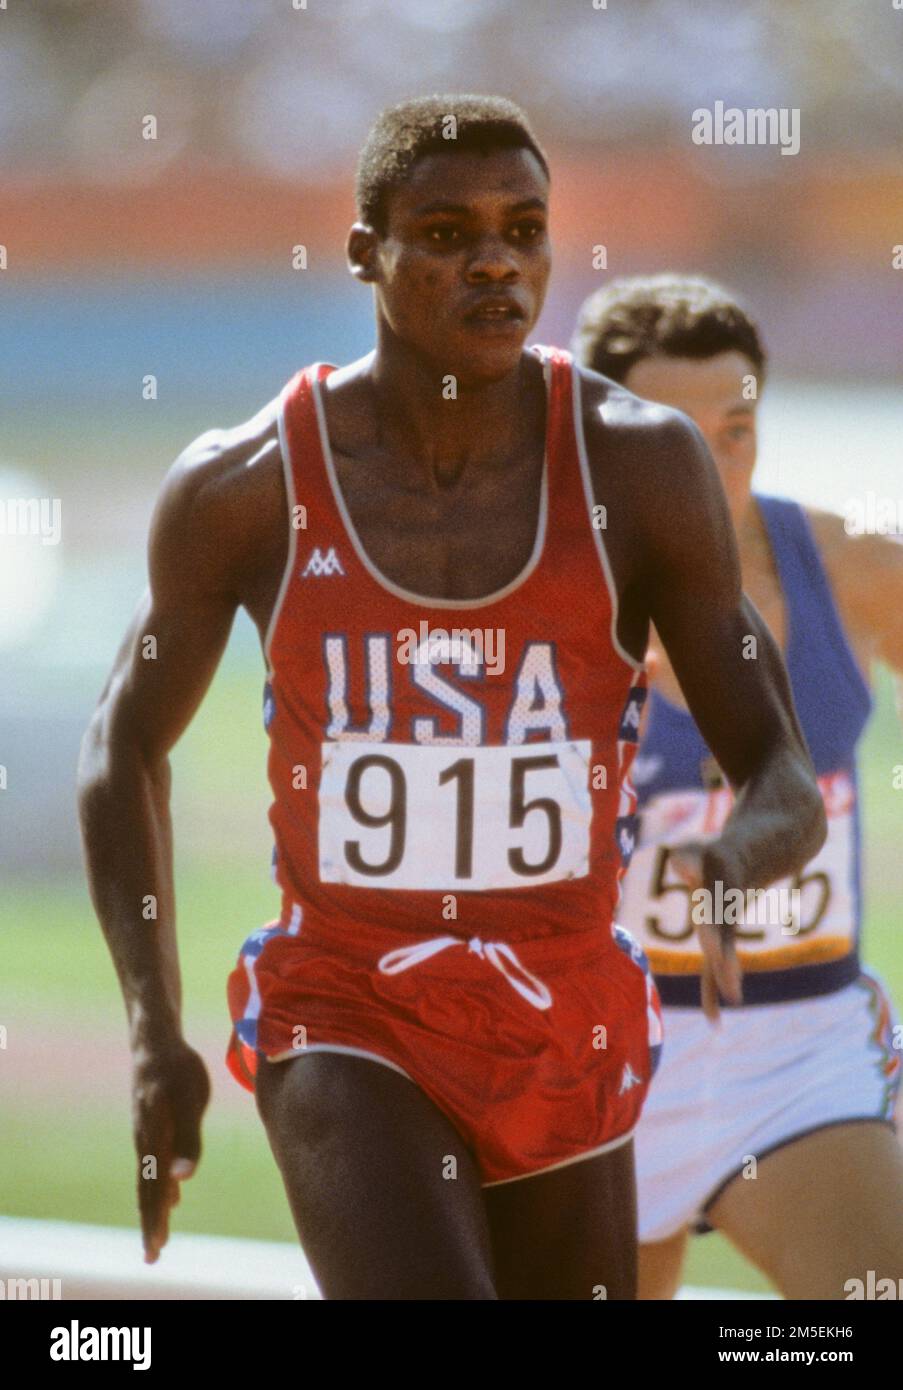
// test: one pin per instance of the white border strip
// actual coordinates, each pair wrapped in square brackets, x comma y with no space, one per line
[104,1263]
[339,1047]
[566,1162]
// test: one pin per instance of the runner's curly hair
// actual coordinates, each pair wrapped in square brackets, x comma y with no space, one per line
[667,315]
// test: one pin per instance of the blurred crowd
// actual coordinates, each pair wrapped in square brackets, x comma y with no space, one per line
[287,87]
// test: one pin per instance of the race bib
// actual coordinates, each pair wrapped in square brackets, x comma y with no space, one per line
[795,921]
[399,815]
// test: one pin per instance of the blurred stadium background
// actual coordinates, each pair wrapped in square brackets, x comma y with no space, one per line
[174,257]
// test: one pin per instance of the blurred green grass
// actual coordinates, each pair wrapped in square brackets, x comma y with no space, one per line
[76,1163]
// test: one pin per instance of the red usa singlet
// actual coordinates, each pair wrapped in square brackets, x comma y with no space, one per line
[452,815]
[424,747]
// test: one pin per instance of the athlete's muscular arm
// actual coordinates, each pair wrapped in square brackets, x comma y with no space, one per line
[682,573]
[866,574]
[160,674]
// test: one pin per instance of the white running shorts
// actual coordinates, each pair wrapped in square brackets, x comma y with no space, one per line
[770,1074]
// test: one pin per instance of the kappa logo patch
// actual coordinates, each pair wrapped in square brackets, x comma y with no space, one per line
[629,1079]
[320,565]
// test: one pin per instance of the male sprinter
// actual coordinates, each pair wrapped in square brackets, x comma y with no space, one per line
[450,1040]
[797,1088]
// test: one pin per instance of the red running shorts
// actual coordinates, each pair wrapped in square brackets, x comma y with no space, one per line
[539,1053]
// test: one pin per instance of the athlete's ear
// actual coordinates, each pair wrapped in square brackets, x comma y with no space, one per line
[361,252]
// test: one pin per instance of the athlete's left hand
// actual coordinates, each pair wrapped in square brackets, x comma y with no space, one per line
[170,1092]
[700,865]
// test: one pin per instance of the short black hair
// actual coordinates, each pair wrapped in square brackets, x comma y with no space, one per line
[402,134]
[669,315]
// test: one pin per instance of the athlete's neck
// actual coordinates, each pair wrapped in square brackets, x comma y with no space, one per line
[753,541]
[445,429]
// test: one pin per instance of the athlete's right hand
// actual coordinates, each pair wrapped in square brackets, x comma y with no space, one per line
[170,1091]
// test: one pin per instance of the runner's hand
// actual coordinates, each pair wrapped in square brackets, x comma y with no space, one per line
[699,865]
[170,1091]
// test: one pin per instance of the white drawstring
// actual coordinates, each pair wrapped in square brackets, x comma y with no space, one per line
[496,952]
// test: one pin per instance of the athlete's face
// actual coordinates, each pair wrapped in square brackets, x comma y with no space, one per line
[711,392]
[461,272]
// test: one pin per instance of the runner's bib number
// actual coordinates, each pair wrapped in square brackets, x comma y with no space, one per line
[656,905]
[398,815]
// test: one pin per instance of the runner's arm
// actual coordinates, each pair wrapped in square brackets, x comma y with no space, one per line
[866,574]
[161,672]
[730,670]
